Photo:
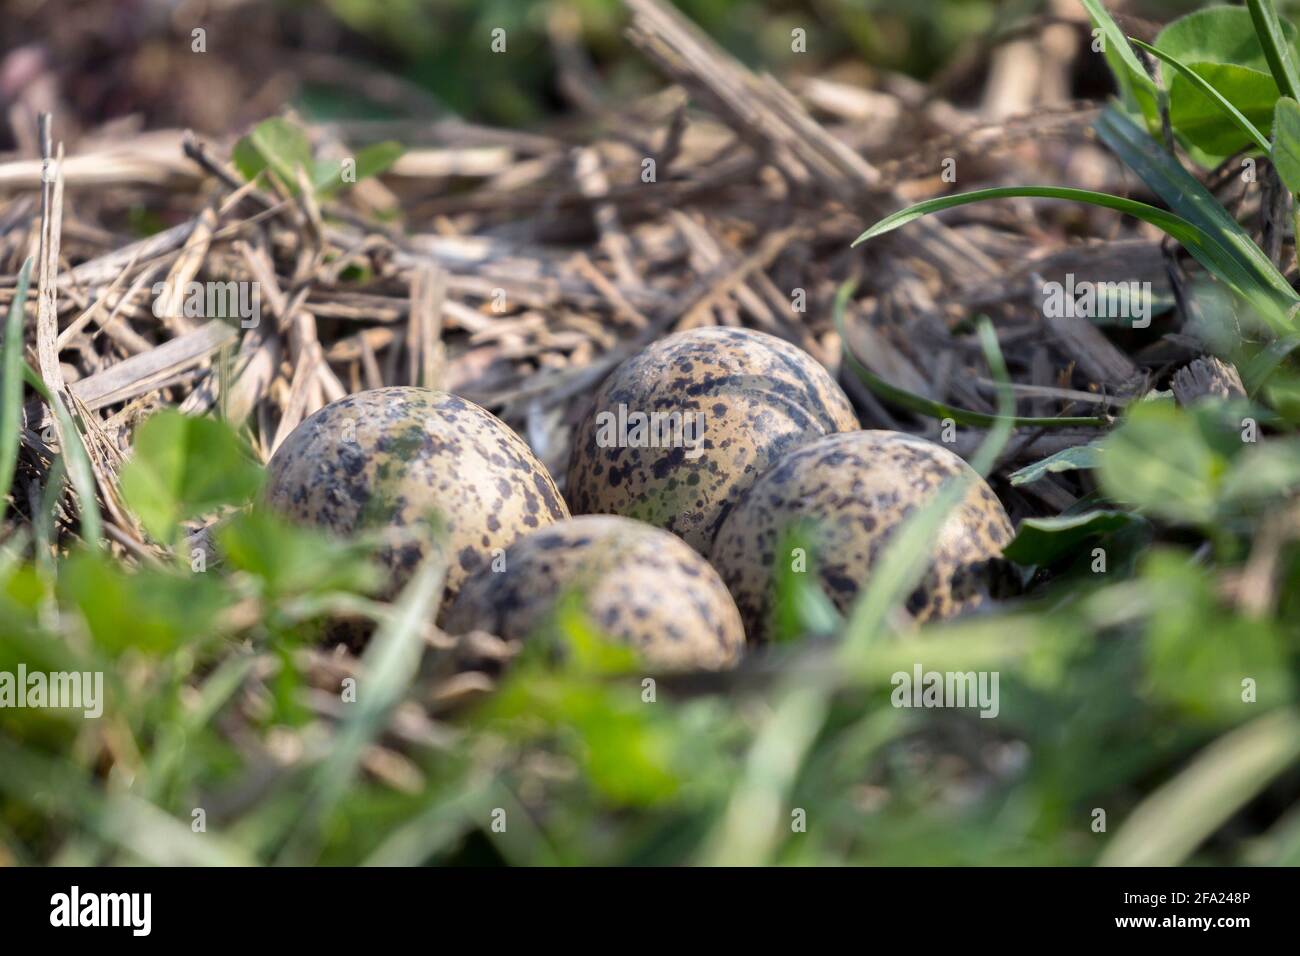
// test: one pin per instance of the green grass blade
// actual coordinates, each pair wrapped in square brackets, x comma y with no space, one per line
[11,385]
[1180,190]
[169,751]
[1276,50]
[1257,371]
[390,663]
[80,473]
[928,407]
[1129,72]
[1205,87]
[750,829]
[987,454]
[1218,237]
[149,834]
[1222,261]
[430,832]
[1168,826]
[1160,218]
[43,520]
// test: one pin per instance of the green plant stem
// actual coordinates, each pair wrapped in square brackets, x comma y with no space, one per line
[80,472]
[1276,49]
[11,386]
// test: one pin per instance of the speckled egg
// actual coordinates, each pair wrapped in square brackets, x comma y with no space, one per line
[394,459]
[638,584]
[680,430]
[848,494]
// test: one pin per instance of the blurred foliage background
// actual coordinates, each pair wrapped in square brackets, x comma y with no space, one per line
[427,39]
[340,58]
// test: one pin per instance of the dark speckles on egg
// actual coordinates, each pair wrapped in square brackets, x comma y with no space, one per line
[640,585]
[853,490]
[390,457]
[759,397]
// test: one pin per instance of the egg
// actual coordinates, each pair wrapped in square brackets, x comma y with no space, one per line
[638,585]
[849,493]
[417,466]
[680,430]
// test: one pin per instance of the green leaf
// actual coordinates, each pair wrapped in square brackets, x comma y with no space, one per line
[326,175]
[1283,396]
[1198,652]
[1220,45]
[976,642]
[1161,462]
[1217,34]
[627,757]
[1265,471]
[24,599]
[1204,102]
[439,825]
[370,161]
[583,647]
[11,385]
[154,610]
[625,748]
[283,148]
[1188,199]
[1044,541]
[183,467]
[1256,372]
[1276,44]
[290,560]
[1199,116]
[1067,459]
[278,145]
[248,160]
[377,158]
[1286,143]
